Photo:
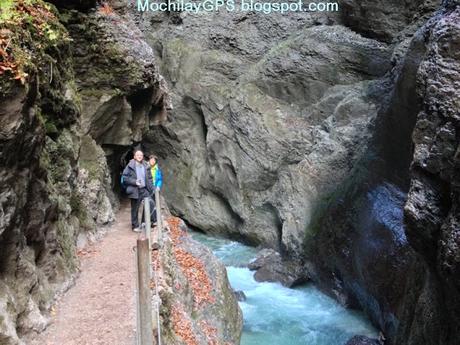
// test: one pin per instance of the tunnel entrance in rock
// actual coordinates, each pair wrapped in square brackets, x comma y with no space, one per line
[117,158]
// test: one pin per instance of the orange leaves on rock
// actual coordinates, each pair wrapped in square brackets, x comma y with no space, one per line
[38,13]
[176,232]
[210,332]
[182,325]
[196,275]
[23,19]
[156,260]
[106,9]
[86,252]
[7,61]
[152,284]
[193,268]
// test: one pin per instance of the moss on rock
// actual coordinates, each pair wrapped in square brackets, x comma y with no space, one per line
[29,29]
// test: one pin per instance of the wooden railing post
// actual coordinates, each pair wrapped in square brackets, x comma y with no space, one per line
[144,294]
[136,299]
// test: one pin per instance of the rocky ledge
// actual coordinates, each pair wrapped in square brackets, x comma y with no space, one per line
[198,304]
[270,266]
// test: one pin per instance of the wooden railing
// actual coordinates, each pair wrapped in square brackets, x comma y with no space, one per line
[148,322]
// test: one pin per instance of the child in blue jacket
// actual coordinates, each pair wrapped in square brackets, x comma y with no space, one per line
[157,176]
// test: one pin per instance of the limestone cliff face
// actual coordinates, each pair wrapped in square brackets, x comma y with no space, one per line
[432,207]
[266,123]
[384,213]
[384,20]
[79,73]
[39,153]
[295,132]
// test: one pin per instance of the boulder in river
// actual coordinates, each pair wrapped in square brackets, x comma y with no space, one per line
[240,296]
[363,340]
[271,267]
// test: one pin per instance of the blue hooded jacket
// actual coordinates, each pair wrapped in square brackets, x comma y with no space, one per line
[157,176]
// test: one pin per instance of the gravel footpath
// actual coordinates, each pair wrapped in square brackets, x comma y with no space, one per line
[99,309]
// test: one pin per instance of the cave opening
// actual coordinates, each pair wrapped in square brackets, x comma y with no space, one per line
[117,158]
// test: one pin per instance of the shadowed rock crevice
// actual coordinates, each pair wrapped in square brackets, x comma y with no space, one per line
[195,106]
[383,20]
[412,286]
[273,224]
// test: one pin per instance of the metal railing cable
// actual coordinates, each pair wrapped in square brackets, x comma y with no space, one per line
[159,233]
[157,305]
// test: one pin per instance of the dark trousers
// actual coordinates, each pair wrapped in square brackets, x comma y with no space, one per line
[136,203]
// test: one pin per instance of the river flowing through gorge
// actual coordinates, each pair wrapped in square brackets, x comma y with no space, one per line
[278,315]
[333,137]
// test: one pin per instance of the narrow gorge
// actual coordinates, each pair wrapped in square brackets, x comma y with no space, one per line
[327,140]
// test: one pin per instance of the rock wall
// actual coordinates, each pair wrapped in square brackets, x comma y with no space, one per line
[432,207]
[360,253]
[297,135]
[383,20]
[39,153]
[84,97]
[266,123]
[70,83]
[198,306]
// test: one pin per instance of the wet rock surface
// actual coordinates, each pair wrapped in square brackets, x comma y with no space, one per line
[240,296]
[377,224]
[271,267]
[362,340]
[383,20]
[431,210]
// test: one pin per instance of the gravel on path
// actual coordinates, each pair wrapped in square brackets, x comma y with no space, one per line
[100,308]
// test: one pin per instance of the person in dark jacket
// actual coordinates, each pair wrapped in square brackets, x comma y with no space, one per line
[137,178]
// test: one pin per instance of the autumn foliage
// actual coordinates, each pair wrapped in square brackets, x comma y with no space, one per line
[198,279]
[182,325]
[210,332]
[106,9]
[27,28]
[196,275]
[193,268]
[176,233]
[7,62]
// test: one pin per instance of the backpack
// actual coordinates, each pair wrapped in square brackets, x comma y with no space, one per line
[122,184]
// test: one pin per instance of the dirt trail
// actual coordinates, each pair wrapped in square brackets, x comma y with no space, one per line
[99,309]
